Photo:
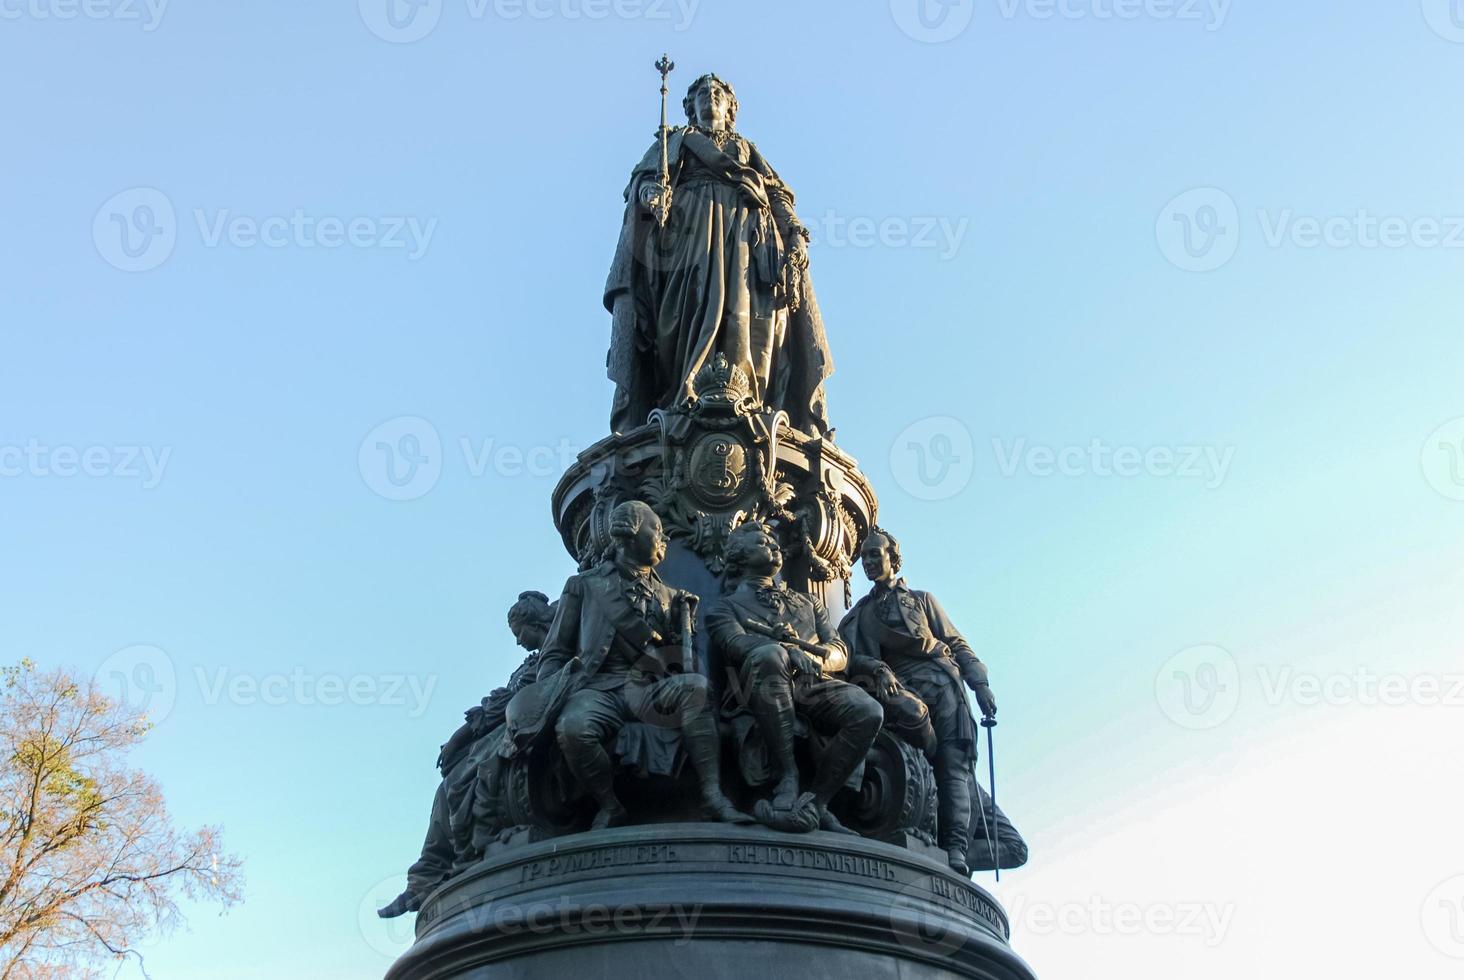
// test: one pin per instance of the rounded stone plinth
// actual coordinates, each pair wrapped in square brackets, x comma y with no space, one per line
[710,902]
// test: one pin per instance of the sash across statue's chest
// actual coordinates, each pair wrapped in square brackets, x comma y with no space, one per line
[898,620]
[638,611]
[774,606]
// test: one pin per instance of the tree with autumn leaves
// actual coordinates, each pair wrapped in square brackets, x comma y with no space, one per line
[90,862]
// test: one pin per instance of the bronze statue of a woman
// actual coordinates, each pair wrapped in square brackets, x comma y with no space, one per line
[725,274]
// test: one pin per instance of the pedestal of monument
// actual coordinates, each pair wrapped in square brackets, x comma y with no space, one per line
[710,902]
[713,464]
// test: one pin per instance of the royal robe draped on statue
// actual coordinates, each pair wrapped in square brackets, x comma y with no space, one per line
[713,282]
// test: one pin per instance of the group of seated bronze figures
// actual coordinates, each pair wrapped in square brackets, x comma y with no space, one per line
[605,691]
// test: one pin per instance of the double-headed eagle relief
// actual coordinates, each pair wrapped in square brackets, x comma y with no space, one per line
[705,662]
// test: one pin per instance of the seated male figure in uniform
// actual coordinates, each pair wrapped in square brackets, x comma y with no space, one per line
[613,618]
[784,648]
[448,844]
[906,648]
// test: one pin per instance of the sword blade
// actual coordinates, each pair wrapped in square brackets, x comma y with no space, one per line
[989,724]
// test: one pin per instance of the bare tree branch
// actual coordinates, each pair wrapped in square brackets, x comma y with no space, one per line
[91,862]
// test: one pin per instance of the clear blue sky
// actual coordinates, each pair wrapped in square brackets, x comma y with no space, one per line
[997,251]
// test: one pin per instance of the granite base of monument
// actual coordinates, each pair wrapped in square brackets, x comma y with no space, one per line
[710,902]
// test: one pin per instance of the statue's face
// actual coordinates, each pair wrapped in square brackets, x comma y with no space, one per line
[648,546]
[878,562]
[531,635]
[713,108]
[761,554]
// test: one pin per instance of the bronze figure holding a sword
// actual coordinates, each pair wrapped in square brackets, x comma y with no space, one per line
[600,668]
[905,648]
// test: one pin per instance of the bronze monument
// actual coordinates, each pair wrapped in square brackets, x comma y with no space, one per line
[695,731]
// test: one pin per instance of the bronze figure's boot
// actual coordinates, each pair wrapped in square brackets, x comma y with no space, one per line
[827,821]
[953,792]
[774,713]
[705,749]
[591,765]
[786,811]
[401,905]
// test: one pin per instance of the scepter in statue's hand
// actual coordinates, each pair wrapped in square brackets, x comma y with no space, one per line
[663,199]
